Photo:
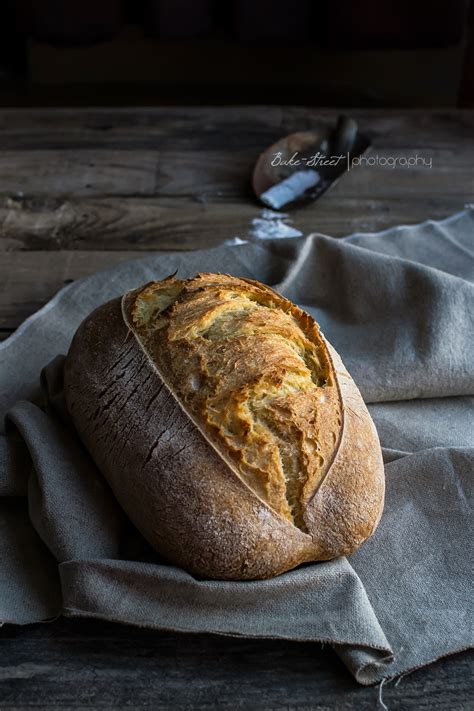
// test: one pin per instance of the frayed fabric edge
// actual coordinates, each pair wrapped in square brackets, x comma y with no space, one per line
[362,673]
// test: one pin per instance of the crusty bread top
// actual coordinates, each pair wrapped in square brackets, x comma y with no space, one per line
[254,372]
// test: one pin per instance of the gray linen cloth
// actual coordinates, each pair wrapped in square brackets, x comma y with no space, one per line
[399,307]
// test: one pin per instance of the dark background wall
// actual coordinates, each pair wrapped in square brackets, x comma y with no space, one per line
[339,52]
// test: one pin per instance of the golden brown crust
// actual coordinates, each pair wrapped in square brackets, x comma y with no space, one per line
[254,372]
[228,429]
[348,504]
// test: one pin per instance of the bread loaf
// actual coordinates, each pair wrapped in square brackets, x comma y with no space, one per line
[227,427]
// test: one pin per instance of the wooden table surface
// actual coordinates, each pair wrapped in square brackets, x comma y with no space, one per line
[84,189]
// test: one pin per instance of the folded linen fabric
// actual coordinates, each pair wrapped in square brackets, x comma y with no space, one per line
[399,307]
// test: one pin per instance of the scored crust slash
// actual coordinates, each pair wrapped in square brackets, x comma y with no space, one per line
[226,425]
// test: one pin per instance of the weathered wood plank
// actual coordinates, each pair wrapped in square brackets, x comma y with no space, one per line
[46,244]
[208,153]
[143,223]
[119,223]
[120,172]
[178,128]
[233,128]
[415,128]
[91,664]
[29,279]
[216,175]
[82,172]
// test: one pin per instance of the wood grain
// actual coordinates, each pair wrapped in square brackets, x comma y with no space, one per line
[111,223]
[121,172]
[234,128]
[79,664]
[79,237]
[143,224]
[29,279]
[180,128]
[216,175]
